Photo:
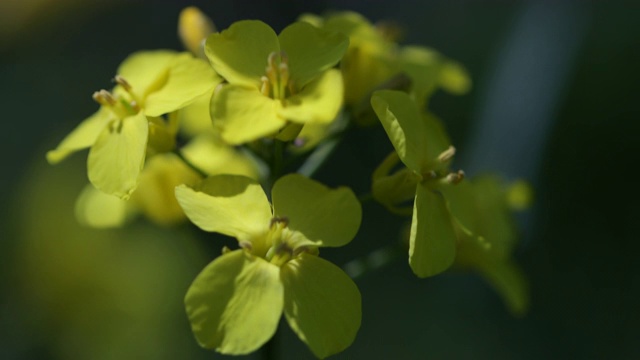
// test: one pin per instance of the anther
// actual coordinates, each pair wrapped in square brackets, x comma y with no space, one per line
[447,154]
[455,178]
[246,245]
[279,220]
[124,83]
[103,97]
[265,88]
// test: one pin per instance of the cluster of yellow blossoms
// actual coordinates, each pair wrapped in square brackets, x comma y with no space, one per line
[202,134]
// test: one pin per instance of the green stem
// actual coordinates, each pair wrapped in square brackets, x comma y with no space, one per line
[189,163]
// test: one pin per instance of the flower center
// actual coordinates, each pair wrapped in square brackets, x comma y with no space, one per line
[276,83]
[285,244]
[122,104]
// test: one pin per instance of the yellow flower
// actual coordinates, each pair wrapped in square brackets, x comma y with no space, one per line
[297,85]
[491,215]
[421,144]
[155,196]
[128,125]
[235,304]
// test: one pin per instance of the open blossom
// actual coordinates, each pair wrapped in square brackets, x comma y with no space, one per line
[274,80]
[422,145]
[128,126]
[236,302]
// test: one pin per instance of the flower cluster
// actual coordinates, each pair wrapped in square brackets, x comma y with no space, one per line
[203,135]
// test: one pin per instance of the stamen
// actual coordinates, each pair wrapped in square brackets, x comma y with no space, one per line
[279,220]
[103,97]
[455,178]
[447,154]
[124,83]
[246,245]
[265,88]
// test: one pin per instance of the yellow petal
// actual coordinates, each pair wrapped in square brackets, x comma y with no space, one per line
[214,157]
[454,78]
[193,28]
[187,79]
[155,197]
[195,118]
[146,71]
[235,303]
[318,102]
[432,243]
[311,51]
[243,114]
[83,136]
[330,217]
[229,204]
[321,303]
[117,157]
[99,210]
[239,54]
[419,140]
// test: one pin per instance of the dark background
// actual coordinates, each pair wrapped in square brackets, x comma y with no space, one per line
[555,100]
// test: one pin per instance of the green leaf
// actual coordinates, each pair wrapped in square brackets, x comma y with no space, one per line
[318,102]
[239,54]
[228,204]
[83,136]
[243,114]
[330,217]
[432,243]
[322,304]
[117,157]
[311,51]
[187,79]
[235,303]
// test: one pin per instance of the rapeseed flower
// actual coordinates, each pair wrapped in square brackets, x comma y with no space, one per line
[129,124]
[274,80]
[421,144]
[235,303]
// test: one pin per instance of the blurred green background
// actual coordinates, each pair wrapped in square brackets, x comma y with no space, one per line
[553,102]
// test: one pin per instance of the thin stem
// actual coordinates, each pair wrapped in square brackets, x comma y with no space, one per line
[189,163]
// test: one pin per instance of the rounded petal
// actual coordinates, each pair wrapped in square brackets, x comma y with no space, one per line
[311,51]
[329,217]
[235,303]
[99,210]
[194,27]
[195,118]
[229,204]
[318,102]
[454,78]
[239,54]
[155,197]
[418,140]
[187,79]
[214,157]
[83,136]
[146,71]
[321,303]
[243,114]
[432,243]
[117,157]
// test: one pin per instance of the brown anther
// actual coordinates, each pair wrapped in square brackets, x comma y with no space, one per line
[447,154]
[246,245]
[121,81]
[429,175]
[103,97]
[279,220]
[455,178]
[265,87]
